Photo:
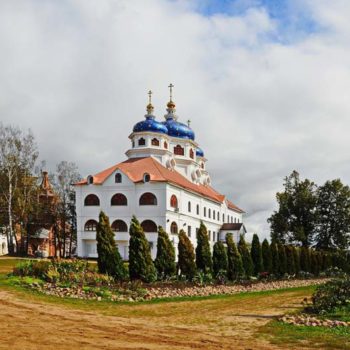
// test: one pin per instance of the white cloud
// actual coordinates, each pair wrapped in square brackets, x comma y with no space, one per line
[77,73]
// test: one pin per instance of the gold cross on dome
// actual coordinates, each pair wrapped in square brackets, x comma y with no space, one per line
[171,91]
[150,96]
[188,122]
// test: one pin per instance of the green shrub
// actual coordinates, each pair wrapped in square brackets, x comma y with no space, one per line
[140,260]
[219,258]
[202,278]
[165,260]
[109,260]
[256,254]
[34,268]
[333,294]
[186,263]
[246,258]
[203,254]
[235,269]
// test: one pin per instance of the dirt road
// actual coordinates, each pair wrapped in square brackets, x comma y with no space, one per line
[227,323]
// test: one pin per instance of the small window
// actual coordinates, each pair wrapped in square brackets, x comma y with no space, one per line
[235,220]
[119,199]
[209,213]
[178,150]
[149,226]
[173,201]
[213,214]
[238,220]
[189,229]
[205,211]
[155,142]
[173,227]
[191,153]
[165,145]
[223,217]
[118,178]
[148,198]
[202,165]
[197,209]
[119,226]
[218,234]
[142,142]
[213,236]
[90,225]
[90,180]
[189,207]
[146,177]
[209,235]
[133,143]
[91,200]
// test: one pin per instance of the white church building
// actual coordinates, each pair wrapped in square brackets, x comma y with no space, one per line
[164,182]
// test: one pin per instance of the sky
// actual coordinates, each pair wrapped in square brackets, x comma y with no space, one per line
[265,84]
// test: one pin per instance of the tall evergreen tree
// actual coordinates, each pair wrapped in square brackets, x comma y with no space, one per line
[246,258]
[203,255]
[282,259]
[296,218]
[140,260]
[290,260]
[275,259]
[235,268]
[304,259]
[219,258]
[109,260]
[165,260]
[296,259]
[186,256]
[267,257]
[256,254]
[333,207]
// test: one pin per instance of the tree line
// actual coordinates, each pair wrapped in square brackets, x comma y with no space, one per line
[312,216]
[21,211]
[228,261]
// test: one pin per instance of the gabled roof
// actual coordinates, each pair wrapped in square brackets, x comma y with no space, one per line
[232,226]
[135,168]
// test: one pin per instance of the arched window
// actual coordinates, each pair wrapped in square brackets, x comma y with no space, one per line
[179,150]
[238,220]
[91,200]
[146,177]
[142,142]
[155,142]
[235,220]
[205,211]
[148,198]
[149,226]
[173,227]
[118,178]
[165,145]
[173,201]
[90,180]
[228,218]
[119,226]
[213,214]
[197,209]
[223,217]
[119,199]
[133,143]
[202,165]
[191,153]
[90,225]
[189,207]
[209,213]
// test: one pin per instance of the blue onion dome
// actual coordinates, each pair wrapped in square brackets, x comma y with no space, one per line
[199,152]
[150,124]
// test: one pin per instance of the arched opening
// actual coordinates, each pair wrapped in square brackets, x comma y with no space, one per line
[189,207]
[197,209]
[173,227]
[146,177]
[119,199]
[119,226]
[209,213]
[148,198]
[155,142]
[149,226]
[90,180]
[204,211]
[90,225]
[142,142]
[173,201]
[118,178]
[191,153]
[178,150]
[165,145]
[91,200]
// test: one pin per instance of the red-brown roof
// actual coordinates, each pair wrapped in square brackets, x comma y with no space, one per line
[135,168]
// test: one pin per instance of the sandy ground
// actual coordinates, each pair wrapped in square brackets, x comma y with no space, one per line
[204,324]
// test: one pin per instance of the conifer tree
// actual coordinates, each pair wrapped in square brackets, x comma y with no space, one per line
[314,262]
[282,259]
[275,259]
[256,254]
[235,268]
[267,258]
[203,254]
[304,259]
[165,260]
[290,260]
[246,258]
[186,263]
[296,259]
[140,260]
[219,258]
[109,260]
